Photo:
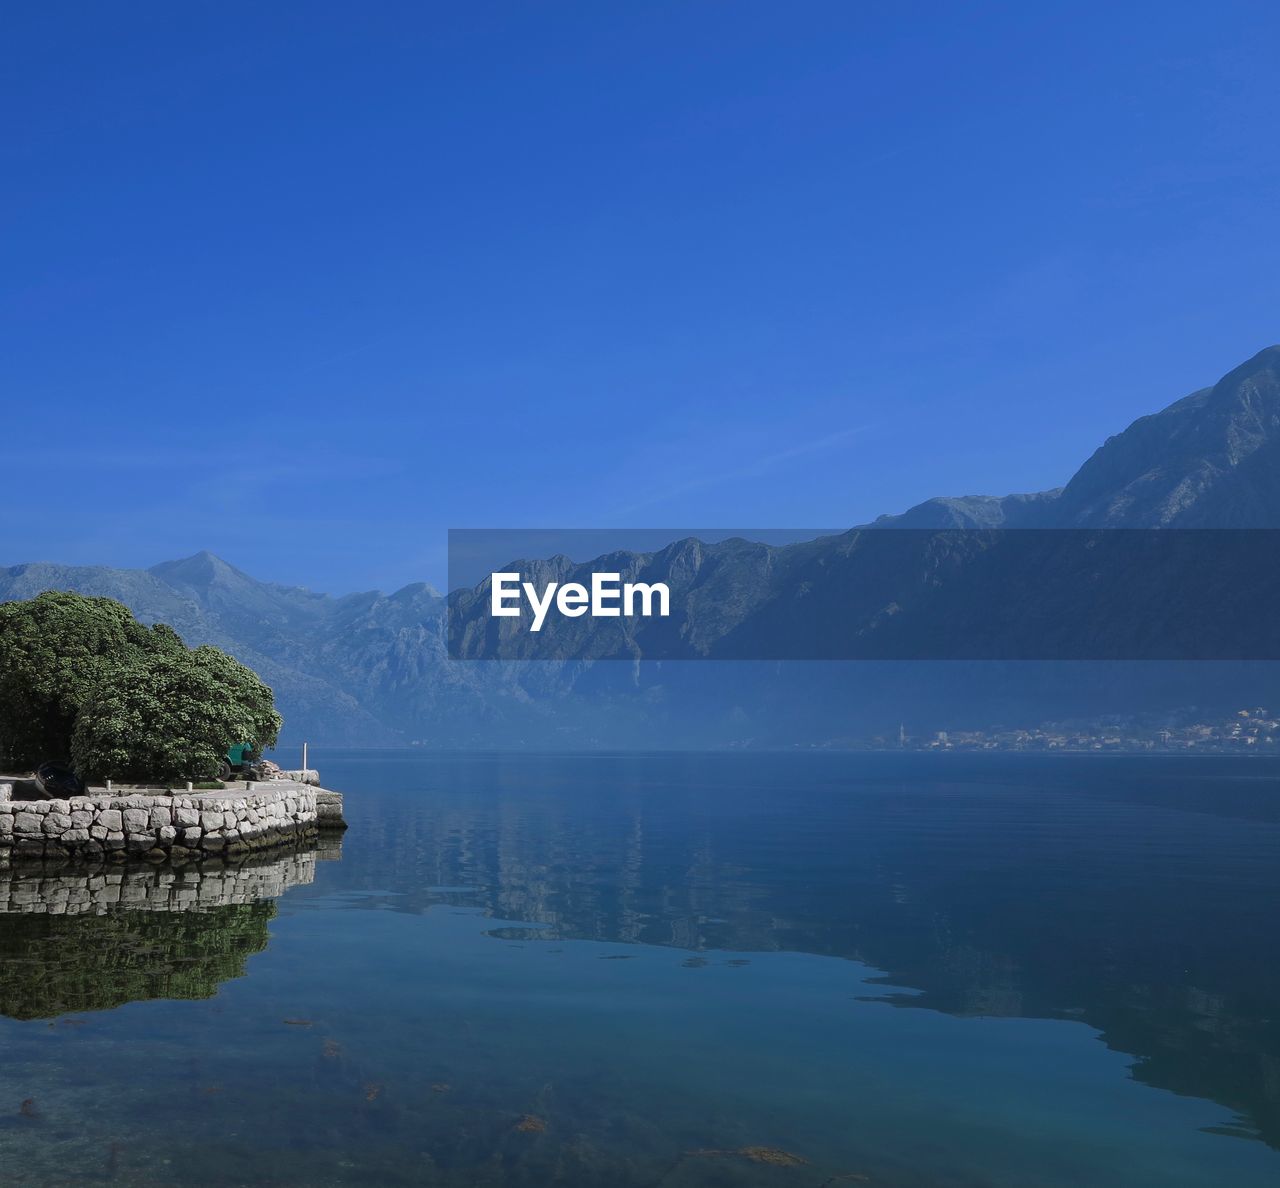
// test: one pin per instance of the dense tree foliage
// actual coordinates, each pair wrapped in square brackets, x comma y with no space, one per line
[82,680]
[172,718]
[56,649]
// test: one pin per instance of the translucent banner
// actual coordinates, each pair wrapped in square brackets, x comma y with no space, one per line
[884,594]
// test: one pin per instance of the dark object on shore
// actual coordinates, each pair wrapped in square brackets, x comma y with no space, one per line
[244,761]
[56,781]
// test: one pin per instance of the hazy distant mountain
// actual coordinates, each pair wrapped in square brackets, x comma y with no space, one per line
[372,668]
[974,511]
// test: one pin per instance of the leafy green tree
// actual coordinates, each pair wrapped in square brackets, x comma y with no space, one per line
[81,680]
[55,650]
[172,718]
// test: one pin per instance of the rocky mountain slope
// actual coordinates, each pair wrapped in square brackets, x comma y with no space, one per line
[1210,460]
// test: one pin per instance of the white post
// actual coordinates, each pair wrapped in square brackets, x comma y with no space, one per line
[304,757]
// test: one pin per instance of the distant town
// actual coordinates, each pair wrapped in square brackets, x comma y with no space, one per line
[1255,731]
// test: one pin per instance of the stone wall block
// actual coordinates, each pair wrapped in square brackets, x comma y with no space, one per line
[155,825]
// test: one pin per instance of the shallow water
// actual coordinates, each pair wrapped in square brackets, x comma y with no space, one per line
[674,970]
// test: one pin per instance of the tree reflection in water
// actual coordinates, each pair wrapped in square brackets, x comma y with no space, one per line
[76,938]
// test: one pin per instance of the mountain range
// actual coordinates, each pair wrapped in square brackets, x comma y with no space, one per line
[372,668]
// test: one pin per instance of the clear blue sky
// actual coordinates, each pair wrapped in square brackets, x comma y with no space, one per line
[306,284]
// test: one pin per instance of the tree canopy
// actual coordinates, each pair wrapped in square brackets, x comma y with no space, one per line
[81,680]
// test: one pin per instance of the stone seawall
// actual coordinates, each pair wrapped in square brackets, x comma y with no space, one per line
[158,825]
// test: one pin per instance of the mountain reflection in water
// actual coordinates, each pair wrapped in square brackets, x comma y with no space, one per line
[1138,895]
[678,970]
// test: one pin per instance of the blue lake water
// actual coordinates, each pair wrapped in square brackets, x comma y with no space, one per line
[674,970]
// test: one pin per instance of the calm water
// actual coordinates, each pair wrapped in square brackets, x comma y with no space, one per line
[675,971]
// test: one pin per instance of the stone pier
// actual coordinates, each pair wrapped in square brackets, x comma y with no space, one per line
[160,824]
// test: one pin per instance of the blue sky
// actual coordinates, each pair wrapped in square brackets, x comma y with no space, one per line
[307,284]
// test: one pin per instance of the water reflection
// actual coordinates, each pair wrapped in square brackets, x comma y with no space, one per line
[1137,898]
[633,971]
[76,938]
